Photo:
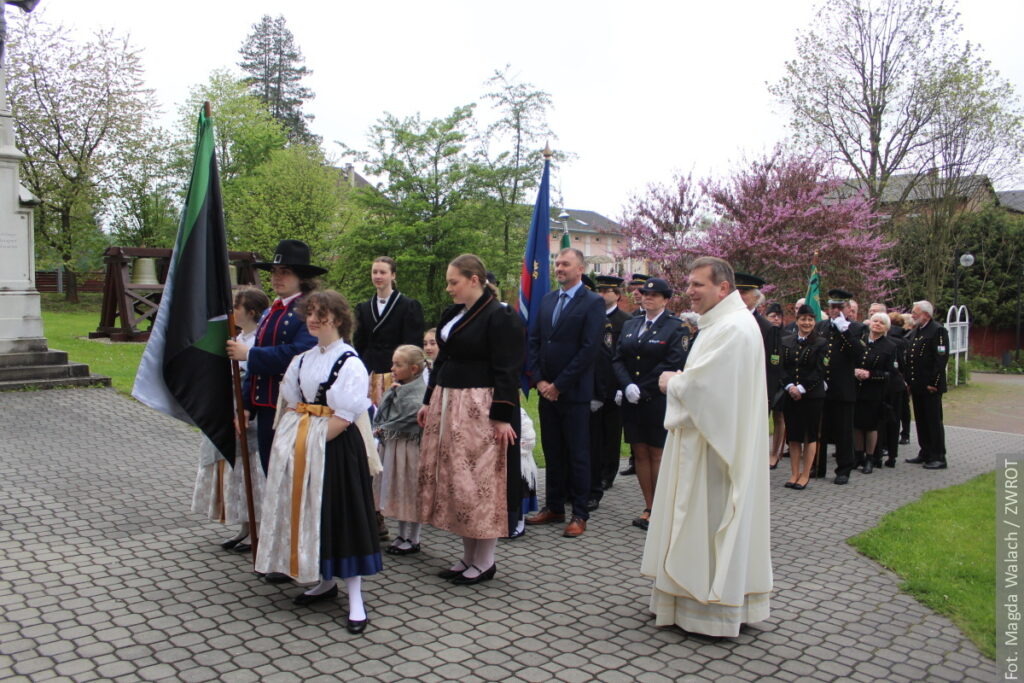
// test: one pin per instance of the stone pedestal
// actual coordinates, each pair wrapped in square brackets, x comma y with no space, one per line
[25,358]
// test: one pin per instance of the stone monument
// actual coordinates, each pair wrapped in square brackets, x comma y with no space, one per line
[25,358]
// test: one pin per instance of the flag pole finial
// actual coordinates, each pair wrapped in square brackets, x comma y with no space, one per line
[547,151]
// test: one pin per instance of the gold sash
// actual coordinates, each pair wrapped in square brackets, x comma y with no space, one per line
[299,472]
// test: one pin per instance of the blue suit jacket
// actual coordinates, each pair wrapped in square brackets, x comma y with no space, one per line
[280,336]
[564,353]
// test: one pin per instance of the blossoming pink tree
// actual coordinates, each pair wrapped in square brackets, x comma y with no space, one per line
[769,218]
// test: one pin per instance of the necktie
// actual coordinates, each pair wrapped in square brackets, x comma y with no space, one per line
[647,326]
[562,298]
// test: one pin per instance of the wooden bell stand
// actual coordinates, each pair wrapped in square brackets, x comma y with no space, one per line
[126,305]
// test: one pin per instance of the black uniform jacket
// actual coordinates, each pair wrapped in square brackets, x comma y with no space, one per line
[844,351]
[804,364]
[880,360]
[641,357]
[605,384]
[926,357]
[378,335]
[897,382]
[772,336]
[484,349]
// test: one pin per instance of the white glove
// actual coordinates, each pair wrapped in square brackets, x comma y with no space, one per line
[633,393]
[618,397]
[596,406]
[841,322]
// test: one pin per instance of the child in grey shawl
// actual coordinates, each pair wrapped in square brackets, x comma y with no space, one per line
[399,435]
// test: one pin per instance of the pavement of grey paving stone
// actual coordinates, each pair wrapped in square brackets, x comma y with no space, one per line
[106,575]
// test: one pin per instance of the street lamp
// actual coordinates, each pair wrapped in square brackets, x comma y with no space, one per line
[966,260]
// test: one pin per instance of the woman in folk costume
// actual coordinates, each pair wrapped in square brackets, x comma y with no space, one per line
[318,515]
[385,322]
[220,489]
[395,426]
[469,454]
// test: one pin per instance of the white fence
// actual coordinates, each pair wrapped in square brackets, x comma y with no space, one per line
[958,322]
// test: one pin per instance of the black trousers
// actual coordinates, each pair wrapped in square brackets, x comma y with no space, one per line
[264,433]
[904,413]
[605,442]
[931,434]
[889,430]
[565,436]
[837,428]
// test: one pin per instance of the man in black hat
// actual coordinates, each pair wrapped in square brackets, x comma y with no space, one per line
[281,335]
[845,341]
[605,417]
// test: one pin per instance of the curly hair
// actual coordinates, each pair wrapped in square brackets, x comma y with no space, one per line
[329,302]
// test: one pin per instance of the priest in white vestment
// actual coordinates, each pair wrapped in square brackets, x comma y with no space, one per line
[708,548]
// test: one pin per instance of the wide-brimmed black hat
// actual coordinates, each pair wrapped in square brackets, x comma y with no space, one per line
[748,281]
[838,296]
[656,285]
[607,281]
[295,255]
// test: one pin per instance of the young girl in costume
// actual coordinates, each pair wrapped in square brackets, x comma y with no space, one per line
[318,515]
[399,434]
[220,488]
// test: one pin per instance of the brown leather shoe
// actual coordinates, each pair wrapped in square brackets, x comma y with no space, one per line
[546,516]
[575,528]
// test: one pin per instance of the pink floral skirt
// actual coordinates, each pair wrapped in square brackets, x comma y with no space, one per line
[462,486]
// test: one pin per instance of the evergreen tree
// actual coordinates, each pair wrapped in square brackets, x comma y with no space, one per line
[273,63]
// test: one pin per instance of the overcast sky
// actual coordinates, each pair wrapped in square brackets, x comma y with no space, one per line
[640,89]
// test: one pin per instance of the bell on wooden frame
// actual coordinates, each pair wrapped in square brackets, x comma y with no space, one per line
[144,272]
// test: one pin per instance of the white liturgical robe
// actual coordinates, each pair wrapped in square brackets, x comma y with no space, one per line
[708,548]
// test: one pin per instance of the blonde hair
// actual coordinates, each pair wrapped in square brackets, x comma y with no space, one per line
[884,317]
[413,355]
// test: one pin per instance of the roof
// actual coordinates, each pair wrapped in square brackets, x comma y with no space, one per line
[1012,200]
[583,221]
[926,187]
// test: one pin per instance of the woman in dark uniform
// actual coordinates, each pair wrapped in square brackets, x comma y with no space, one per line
[803,368]
[649,345]
[388,320]
[872,374]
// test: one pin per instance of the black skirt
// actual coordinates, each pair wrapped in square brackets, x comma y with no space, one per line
[644,422]
[349,541]
[803,419]
[867,415]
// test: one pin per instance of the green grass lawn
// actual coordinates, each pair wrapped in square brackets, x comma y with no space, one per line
[943,547]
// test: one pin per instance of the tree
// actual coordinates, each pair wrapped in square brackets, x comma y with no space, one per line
[426,212]
[293,194]
[246,132]
[510,164]
[274,64]
[873,83]
[143,208]
[772,216]
[79,109]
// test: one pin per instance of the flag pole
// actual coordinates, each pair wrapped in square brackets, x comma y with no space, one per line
[236,379]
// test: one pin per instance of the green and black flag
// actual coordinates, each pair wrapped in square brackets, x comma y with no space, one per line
[185,371]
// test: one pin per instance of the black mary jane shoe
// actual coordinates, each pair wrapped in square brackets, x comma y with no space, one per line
[450,574]
[307,599]
[356,627]
[463,580]
[411,550]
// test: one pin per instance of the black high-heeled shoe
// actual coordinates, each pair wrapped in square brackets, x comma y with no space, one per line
[463,580]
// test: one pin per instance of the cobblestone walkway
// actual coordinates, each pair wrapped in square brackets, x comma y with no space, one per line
[104,574]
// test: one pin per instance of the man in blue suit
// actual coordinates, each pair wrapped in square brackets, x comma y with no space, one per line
[563,348]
